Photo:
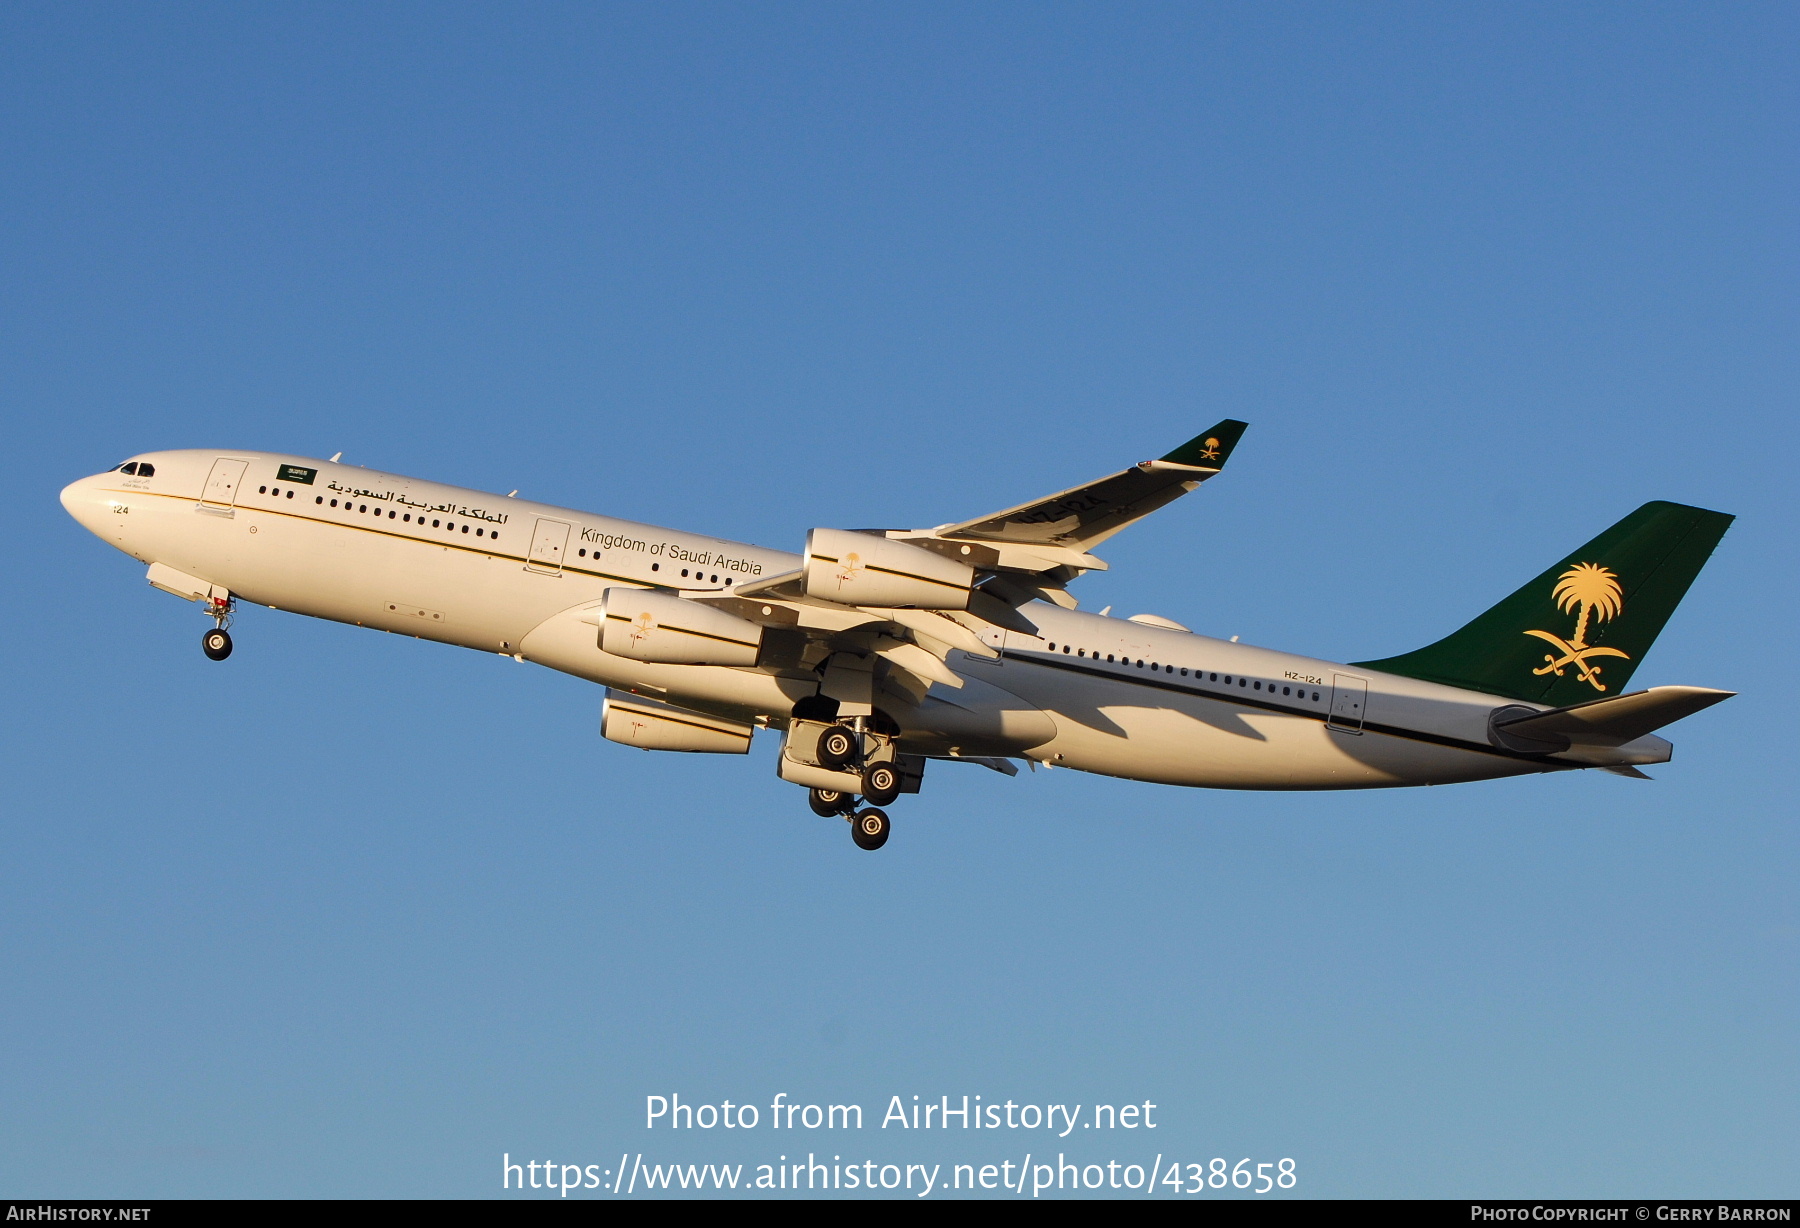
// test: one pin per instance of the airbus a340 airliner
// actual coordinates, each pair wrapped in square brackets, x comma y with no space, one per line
[874,652]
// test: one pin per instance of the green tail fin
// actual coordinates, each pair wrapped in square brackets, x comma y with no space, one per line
[1211,448]
[1579,630]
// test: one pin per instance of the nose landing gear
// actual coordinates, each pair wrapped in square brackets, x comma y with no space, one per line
[216,644]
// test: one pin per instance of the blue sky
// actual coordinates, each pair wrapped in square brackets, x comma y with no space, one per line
[353,915]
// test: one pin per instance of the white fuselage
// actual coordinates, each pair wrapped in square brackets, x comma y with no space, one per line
[506,575]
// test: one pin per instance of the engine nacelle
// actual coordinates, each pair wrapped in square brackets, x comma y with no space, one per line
[857,569]
[648,725]
[646,625]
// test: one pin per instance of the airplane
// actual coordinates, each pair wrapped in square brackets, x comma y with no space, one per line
[872,653]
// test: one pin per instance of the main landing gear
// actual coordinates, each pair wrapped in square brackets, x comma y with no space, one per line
[842,759]
[881,785]
[829,803]
[869,828]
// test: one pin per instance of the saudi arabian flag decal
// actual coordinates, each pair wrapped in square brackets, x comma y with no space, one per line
[296,473]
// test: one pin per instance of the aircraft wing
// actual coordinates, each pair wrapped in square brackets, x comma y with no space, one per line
[1020,554]
[1084,516]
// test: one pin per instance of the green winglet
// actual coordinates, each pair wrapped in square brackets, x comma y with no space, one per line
[1579,630]
[1211,448]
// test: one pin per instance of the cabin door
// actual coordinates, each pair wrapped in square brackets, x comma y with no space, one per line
[223,482]
[1349,697]
[549,542]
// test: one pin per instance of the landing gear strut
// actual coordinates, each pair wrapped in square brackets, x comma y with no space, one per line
[869,828]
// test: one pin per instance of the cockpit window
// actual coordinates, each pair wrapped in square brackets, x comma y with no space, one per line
[131,468]
[146,469]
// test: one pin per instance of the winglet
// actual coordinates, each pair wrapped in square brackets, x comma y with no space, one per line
[1211,448]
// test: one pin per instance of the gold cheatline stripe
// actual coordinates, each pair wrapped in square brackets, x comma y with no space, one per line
[1395,731]
[402,537]
[905,575]
[699,635]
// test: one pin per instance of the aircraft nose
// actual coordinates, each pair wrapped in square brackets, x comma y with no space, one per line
[79,501]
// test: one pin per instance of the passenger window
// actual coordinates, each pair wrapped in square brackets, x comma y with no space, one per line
[1315,697]
[1258,686]
[656,567]
[1242,681]
[262,490]
[684,572]
[319,499]
[465,528]
[391,515]
[290,494]
[434,524]
[1227,679]
[478,532]
[363,508]
[493,537]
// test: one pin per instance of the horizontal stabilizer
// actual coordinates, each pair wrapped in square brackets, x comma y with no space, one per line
[1611,722]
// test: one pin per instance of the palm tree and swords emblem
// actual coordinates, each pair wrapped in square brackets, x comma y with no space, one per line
[1593,591]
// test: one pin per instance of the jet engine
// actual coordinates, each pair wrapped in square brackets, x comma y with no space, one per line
[649,725]
[858,569]
[646,625]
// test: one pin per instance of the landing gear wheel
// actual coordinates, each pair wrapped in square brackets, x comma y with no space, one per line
[869,828]
[837,747]
[830,803]
[216,644]
[881,784]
